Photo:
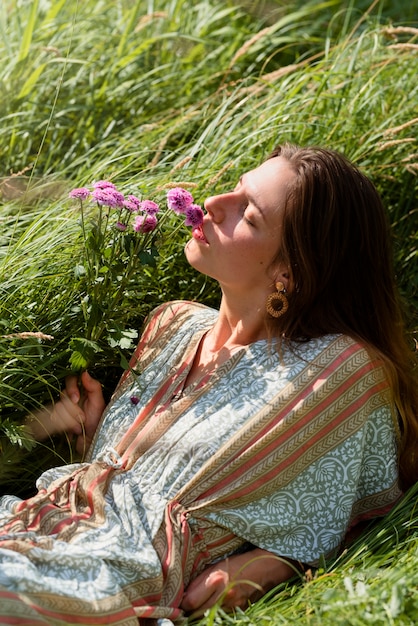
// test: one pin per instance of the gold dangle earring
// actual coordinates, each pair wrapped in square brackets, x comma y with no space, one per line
[277,303]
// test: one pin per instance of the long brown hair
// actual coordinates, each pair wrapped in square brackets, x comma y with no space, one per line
[336,243]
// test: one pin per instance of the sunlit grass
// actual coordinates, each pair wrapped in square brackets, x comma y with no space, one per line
[161,92]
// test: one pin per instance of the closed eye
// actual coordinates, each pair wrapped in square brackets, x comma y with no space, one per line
[249,220]
[243,210]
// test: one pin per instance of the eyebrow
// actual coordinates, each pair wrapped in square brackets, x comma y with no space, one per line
[252,199]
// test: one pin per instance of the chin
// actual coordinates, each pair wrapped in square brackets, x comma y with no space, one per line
[189,253]
[186,249]
[194,259]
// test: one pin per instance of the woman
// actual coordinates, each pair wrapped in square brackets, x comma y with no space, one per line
[241,443]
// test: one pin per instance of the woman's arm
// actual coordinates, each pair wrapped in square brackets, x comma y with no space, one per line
[77,412]
[237,580]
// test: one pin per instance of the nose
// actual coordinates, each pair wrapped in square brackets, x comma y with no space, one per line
[216,206]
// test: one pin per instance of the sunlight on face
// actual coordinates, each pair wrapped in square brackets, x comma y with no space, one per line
[240,235]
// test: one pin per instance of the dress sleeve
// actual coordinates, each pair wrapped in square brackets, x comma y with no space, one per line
[309,518]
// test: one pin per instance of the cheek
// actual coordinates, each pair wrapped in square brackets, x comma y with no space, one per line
[262,252]
[271,248]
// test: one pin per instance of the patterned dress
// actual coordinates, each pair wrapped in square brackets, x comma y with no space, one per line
[284,451]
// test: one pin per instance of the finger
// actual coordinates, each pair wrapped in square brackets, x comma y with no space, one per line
[235,597]
[69,415]
[93,393]
[204,591]
[195,607]
[90,384]
[72,389]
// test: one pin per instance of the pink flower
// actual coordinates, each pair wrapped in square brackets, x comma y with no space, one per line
[108,196]
[149,207]
[104,184]
[132,203]
[179,199]
[194,216]
[120,226]
[145,223]
[131,206]
[81,193]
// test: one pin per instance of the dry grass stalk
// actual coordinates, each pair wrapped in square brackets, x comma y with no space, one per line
[267,79]
[271,77]
[410,157]
[28,335]
[244,48]
[146,19]
[181,183]
[26,169]
[219,174]
[147,127]
[282,71]
[166,138]
[412,167]
[181,164]
[395,142]
[400,30]
[52,49]
[30,190]
[160,148]
[403,46]
[397,129]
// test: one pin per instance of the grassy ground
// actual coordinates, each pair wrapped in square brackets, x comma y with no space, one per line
[150,94]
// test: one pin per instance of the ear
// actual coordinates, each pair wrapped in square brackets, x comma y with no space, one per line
[282,274]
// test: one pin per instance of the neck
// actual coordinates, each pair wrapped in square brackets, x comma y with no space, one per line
[236,326]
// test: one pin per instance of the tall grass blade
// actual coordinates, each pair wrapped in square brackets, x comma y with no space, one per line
[28,31]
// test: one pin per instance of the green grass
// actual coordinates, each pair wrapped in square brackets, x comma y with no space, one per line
[151,93]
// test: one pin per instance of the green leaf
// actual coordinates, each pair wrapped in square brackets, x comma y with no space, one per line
[78,361]
[122,338]
[83,352]
[125,343]
[146,258]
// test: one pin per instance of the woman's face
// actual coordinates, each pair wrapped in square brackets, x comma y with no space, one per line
[240,235]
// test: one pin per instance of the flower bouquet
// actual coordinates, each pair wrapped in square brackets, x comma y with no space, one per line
[120,239]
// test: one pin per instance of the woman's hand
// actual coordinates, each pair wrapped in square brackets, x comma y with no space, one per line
[77,412]
[236,581]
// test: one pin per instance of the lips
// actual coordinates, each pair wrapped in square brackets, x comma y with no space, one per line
[198,234]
